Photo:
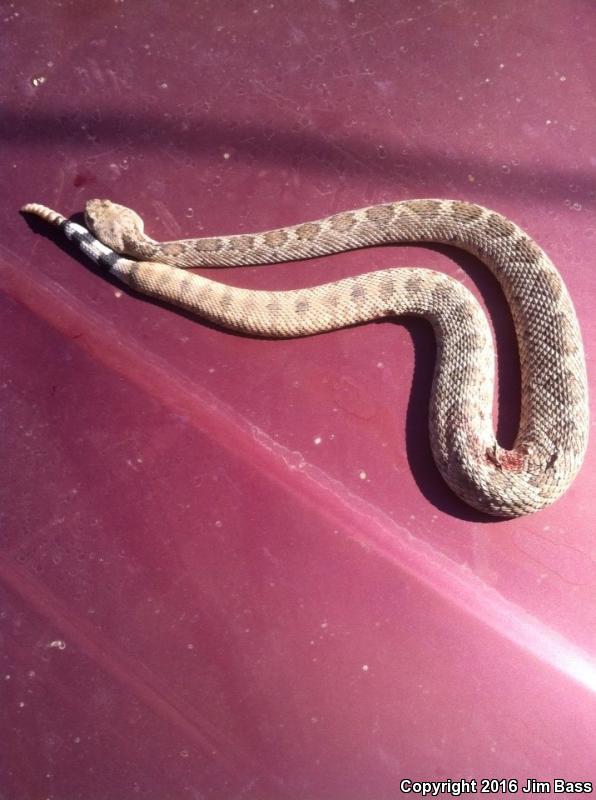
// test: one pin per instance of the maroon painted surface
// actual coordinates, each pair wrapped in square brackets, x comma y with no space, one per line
[228,567]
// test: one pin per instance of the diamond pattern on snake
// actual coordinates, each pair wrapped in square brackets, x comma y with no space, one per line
[552,436]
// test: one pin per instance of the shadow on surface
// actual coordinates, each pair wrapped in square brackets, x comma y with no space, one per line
[336,157]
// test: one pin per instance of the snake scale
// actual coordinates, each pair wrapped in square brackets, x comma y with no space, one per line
[552,436]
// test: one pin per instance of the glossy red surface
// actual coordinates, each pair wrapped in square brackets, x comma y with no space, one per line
[229,568]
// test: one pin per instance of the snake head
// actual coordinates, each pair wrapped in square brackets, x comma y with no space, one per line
[118,227]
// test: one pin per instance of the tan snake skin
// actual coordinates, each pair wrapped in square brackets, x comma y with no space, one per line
[552,436]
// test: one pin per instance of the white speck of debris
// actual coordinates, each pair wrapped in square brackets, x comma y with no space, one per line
[365,668]
[501,66]
[38,80]
[21,704]
[31,673]
[562,78]
[380,365]
[163,85]
[77,740]
[549,122]
[227,155]
[190,646]
[324,624]
[218,523]
[211,370]
[7,677]
[317,440]
[60,644]
[117,293]
[362,475]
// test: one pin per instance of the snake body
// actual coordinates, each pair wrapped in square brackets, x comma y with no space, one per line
[552,436]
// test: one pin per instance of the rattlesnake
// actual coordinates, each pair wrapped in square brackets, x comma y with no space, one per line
[552,436]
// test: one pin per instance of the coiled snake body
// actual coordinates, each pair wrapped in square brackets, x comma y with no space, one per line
[552,436]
